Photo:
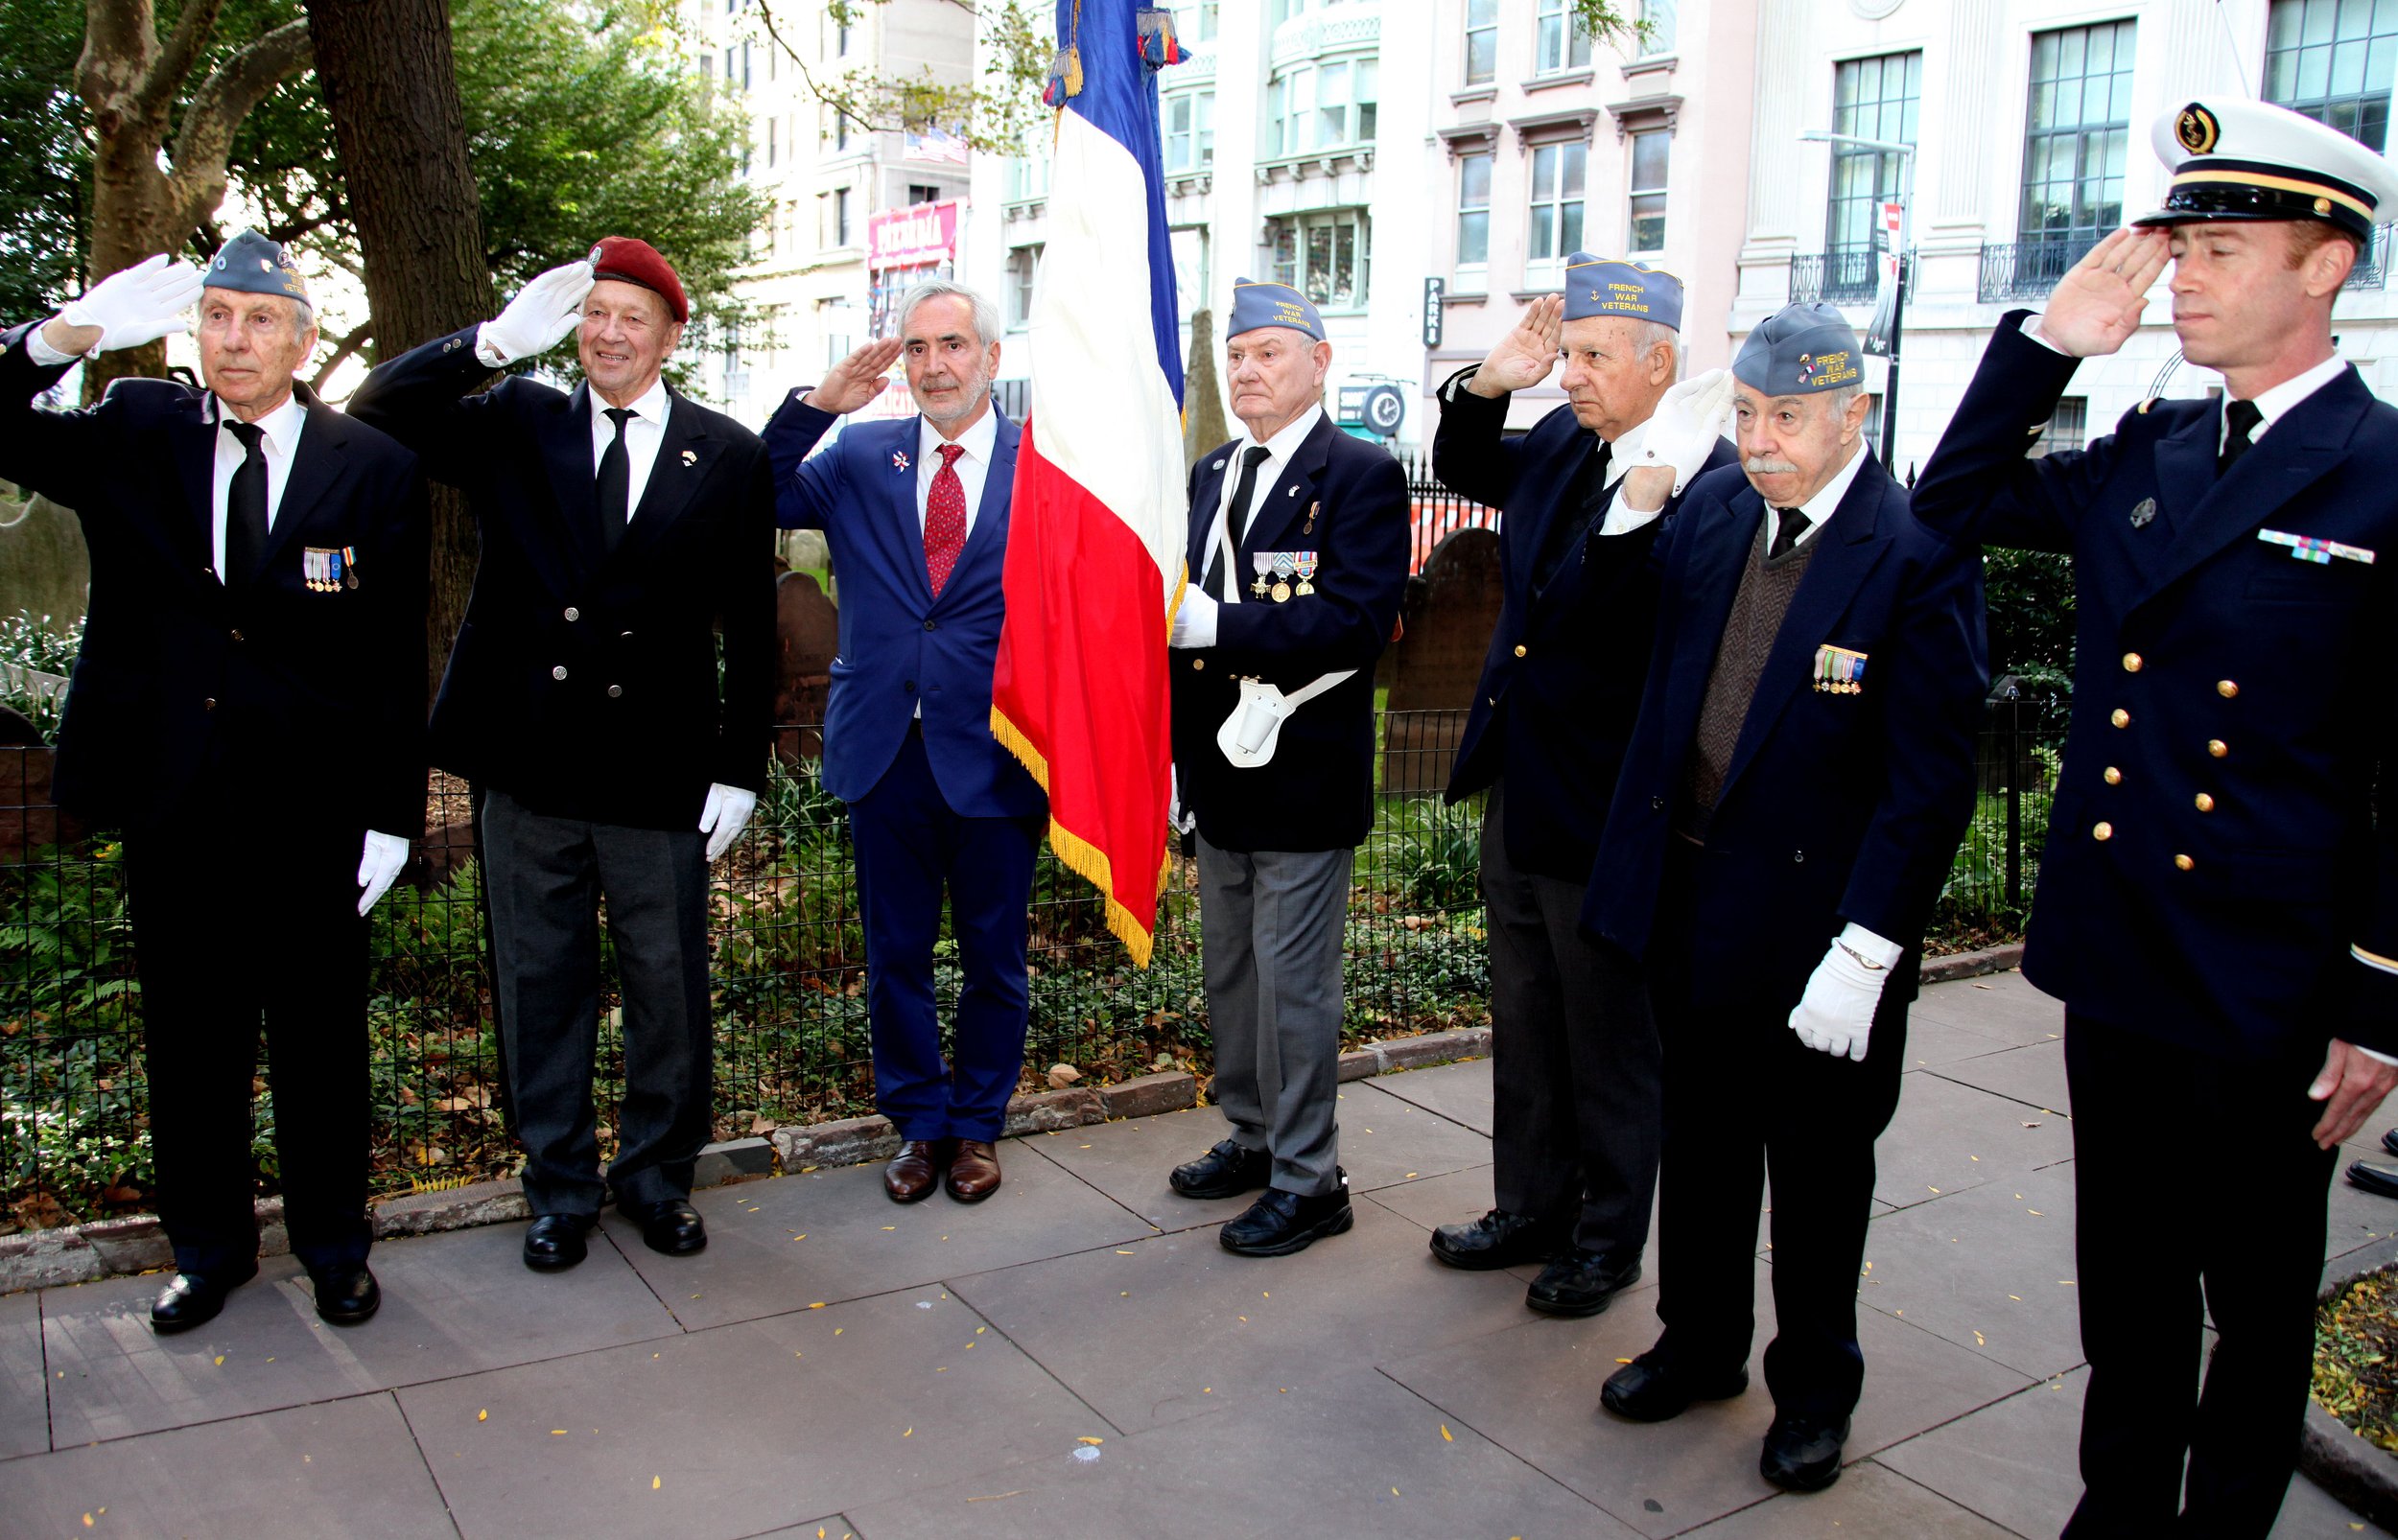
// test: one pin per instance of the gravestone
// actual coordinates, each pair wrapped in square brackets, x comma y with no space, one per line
[44,567]
[807,634]
[1450,610]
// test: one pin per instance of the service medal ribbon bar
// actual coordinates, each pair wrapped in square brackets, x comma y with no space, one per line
[2315,548]
[1839,671]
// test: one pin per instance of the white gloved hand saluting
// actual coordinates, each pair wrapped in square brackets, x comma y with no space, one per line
[378,867]
[538,319]
[1685,427]
[1835,1013]
[137,306]
[1194,620]
[727,810]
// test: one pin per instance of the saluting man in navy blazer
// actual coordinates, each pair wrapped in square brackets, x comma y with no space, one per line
[248,707]
[1574,1052]
[1784,821]
[915,512]
[622,525]
[2218,897]
[1299,545]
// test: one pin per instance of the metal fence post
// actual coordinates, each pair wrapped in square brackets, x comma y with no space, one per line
[2015,803]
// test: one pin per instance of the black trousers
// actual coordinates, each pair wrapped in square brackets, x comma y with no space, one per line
[545,879]
[242,923]
[2146,1286]
[1746,1101]
[1574,1059]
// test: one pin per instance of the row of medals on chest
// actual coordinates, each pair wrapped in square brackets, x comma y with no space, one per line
[1274,570]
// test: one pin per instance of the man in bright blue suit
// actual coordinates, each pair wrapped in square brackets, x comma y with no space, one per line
[915,512]
[1785,818]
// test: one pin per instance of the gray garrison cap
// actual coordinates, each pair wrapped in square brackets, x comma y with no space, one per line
[1800,349]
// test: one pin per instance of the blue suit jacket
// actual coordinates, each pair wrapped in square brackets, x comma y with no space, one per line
[1554,718]
[2244,951]
[1835,807]
[899,646]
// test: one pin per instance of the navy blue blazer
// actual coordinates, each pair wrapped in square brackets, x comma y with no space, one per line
[318,694]
[1835,807]
[584,684]
[1345,501]
[2214,850]
[899,646]
[1560,685]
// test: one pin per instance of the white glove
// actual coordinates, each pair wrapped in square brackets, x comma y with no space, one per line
[1684,428]
[379,864]
[1835,1013]
[728,808]
[1179,819]
[139,305]
[1194,620]
[538,319]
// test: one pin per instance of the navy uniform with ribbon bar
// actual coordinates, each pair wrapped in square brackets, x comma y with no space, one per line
[2218,897]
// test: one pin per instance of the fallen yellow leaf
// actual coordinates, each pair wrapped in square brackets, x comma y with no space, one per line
[557,1433]
[653,1483]
[909,1434]
[1446,1437]
[219,1358]
[485,1415]
[1086,1438]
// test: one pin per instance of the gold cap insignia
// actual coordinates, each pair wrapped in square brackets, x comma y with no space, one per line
[2322,205]
[2197,129]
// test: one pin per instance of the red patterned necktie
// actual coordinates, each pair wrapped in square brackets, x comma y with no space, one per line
[944,519]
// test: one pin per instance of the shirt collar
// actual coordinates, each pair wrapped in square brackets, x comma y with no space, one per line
[1821,507]
[282,425]
[977,442]
[650,408]
[1284,444]
[2275,403]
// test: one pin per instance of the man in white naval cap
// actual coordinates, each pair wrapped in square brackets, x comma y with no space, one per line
[2219,900]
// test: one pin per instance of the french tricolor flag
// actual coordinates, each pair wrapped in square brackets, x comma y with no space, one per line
[1096,531]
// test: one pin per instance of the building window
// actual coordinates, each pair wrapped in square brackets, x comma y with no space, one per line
[841,129]
[1321,106]
[1189,245]
[1027,179]
[2067,427]
[1558,172]
[1560,43]
[2077,131]
[1873,99]
[1474,221]
[841,216]
[1652,152]
[919,193]
[1189,131]
[1194,21]
[2332,62]
[1324,255]
[1022,263]
[744,66]
[1481,41]
[1658,19]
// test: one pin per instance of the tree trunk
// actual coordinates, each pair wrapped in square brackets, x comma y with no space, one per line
[384,67]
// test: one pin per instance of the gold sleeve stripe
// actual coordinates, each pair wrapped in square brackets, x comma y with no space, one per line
[2387,964]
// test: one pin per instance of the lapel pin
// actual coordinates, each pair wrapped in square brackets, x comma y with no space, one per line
[1292,493]
[1217,466]
[2142,512]
[899,459]
[690,457]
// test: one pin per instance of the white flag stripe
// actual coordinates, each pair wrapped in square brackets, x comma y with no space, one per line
[1103,411]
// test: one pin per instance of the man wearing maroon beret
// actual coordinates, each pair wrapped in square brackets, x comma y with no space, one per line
[624,526]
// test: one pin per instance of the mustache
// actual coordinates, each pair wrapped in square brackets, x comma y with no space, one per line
[1758,465]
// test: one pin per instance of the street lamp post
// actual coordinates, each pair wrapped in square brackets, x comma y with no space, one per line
[1898,308]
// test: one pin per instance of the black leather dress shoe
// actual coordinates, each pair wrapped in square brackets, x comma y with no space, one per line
[555,1242]
[1652,1389]
[1580,1283]
[1281,1223]
[1225,1171]
[1498,1239]
[2373,1178]
[190,1298]
[1801,1452]
[347,1294]
[672,1228]
[2389,1141]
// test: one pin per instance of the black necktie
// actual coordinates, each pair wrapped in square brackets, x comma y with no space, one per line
[615,482]
[2239,420]
[246,508]
[1789,524]
[1213,583]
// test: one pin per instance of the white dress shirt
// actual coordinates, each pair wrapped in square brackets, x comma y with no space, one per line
[1820,507]
[644,432]
[974,467]
[281,442]
[1278,451]
[2275,403]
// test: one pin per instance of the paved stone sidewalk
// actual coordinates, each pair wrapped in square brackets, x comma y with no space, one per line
[1079,1358]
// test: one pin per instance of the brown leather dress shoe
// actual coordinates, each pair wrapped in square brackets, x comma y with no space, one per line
[914,1171]
[973,1171]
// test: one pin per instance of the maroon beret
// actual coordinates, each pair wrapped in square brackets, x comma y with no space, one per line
[631,261]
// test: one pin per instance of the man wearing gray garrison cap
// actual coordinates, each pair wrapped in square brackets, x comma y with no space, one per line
[1784,821]
[248,707]
[1574,1052]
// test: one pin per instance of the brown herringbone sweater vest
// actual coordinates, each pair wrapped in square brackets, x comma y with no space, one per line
[1766,590]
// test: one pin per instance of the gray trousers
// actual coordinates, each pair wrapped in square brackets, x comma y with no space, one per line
[1271,925]
[1575,1068]
[544,877]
